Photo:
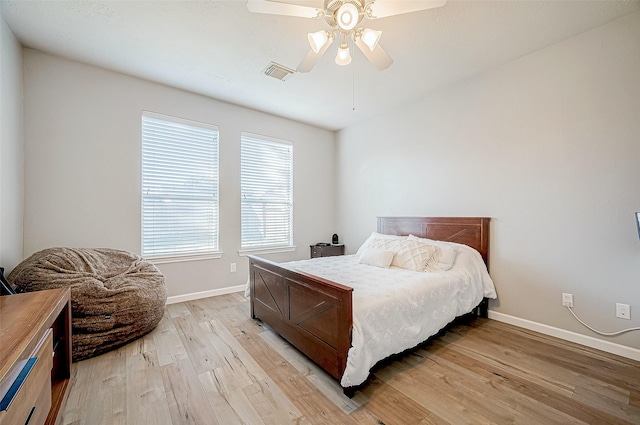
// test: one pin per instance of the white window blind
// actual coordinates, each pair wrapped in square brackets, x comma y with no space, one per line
[179,187]
[267,192]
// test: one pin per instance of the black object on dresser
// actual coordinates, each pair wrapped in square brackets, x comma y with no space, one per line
[326,250]
[5,288]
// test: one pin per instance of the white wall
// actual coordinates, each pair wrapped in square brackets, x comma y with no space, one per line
[549,147]
[82,171]
[11,149]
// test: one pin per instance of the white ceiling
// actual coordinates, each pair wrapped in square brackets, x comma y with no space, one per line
[219,49]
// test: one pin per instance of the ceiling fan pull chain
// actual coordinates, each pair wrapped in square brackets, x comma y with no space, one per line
[353,86]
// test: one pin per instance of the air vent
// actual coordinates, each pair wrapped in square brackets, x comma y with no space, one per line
[278,71]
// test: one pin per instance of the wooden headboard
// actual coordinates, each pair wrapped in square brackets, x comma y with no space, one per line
[471,231]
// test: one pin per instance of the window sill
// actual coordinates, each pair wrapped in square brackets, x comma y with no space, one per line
[183,258]
[258,251]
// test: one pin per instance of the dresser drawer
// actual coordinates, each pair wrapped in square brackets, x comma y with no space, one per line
[316,251]
[29,400]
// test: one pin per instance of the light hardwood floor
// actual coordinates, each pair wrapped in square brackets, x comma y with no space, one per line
[207,362]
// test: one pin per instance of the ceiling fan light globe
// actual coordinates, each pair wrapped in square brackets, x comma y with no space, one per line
[347,16]
[317,40]
[371,38]
[344,56]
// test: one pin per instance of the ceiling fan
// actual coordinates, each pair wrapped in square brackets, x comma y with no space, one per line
[344,18]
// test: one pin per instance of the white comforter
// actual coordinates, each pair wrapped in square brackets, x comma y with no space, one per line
[395,309]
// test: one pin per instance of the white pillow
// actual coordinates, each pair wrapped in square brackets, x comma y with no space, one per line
[378,236]
[415,255]
[376,257]
[386,244]
[445,258]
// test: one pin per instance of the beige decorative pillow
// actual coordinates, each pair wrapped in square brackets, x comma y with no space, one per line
[374,237]
[386,244]
[415,255]
[445,258]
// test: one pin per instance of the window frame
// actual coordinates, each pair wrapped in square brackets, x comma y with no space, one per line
[194,254]
[266,249]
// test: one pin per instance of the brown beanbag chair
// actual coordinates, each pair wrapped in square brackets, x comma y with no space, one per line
[116,296]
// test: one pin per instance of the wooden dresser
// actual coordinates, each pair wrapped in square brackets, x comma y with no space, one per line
[35,356]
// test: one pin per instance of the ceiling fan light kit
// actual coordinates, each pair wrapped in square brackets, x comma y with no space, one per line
[347,16]
[317,40]
[344,56]
[371,38]
[344,16]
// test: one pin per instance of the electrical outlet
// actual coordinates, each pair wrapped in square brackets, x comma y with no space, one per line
[567,300]
[623,311]
[233,267]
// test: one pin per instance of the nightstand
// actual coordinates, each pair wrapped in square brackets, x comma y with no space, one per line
[326,251]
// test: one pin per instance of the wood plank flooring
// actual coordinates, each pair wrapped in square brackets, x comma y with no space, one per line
[208,363]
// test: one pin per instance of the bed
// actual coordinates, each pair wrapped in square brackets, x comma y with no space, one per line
[309,304]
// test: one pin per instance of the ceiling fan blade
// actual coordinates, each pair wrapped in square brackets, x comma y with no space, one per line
[378,57]
[312,57]
[384,8]
[275,8]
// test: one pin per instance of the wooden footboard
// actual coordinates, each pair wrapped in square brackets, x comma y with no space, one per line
[313,314]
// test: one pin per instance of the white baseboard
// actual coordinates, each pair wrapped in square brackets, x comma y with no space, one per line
[609,347]
[204,294]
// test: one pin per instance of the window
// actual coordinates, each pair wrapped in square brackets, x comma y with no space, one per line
[179,187]
[266,184]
